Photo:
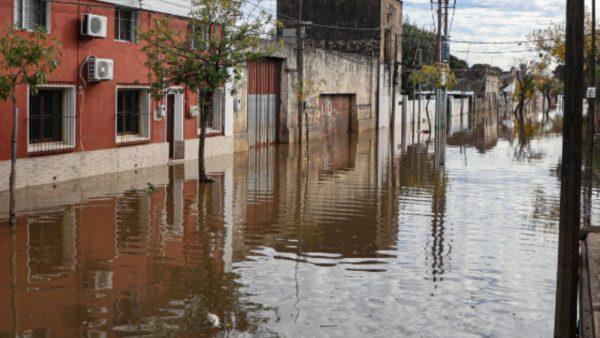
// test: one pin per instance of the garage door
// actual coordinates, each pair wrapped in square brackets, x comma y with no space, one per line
[263,101]
[336,113]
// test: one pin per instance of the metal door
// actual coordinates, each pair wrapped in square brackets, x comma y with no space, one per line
[336,113]
[263,101]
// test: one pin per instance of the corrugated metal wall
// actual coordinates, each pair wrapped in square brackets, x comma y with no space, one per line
[263,101]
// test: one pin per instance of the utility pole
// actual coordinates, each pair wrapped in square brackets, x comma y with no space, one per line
[438,91]
[440,119]
[419,89]
[300,35]
[591,126]
[565,323]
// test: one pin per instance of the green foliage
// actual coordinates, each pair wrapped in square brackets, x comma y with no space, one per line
[549,42]
[219,41]
[431,76]
[307,89]
[25,58]
[416,38]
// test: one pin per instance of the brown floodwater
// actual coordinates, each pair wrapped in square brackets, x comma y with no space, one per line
[360,236]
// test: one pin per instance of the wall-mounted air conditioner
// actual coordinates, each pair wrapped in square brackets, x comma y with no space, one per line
[100,69]
[94,26]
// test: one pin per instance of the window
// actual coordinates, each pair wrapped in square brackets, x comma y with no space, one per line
[214,123]
[199,37]
[31,14]
[133,117]
[126,22]
[52,119]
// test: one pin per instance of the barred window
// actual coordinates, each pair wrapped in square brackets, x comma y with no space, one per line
[133,118]
[214,124]
[126,22]
[31,14]
[52,119]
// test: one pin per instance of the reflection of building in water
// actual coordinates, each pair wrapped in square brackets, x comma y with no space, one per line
[143,262]
[484,132]
[157,259]
[308,210]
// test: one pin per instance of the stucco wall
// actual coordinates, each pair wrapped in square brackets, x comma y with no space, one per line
[331,73]
[64,167]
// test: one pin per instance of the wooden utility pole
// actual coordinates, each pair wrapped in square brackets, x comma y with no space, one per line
[592,101]
[591,128]
[300,35]
[565,323]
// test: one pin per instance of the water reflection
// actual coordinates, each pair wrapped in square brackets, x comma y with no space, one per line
[355,235]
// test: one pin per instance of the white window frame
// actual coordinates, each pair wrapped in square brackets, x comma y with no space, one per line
[136,24]
[19,12]
[69,112]
[145,111]
[210,130]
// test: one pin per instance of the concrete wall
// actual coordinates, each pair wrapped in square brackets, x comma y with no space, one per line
[331,73]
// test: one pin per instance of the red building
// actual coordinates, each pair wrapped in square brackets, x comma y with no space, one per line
[95,115]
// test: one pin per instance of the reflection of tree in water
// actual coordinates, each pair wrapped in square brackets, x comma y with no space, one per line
[523,152]
[546,210]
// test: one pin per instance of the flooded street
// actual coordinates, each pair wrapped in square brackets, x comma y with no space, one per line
[359,236]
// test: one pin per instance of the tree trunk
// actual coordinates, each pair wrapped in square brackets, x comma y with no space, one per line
[13,163]
[206,109]
[427,112]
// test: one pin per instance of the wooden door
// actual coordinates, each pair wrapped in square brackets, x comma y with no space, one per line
[336,114]
[171,123]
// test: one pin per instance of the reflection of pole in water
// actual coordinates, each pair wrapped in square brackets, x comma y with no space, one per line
[13,274]
[438,210]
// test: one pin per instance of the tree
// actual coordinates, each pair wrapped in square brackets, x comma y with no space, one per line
[548,85]
[305,91]
[221,38]
[549,42]
[25,59]
[431,76]
[415,39]
[524,92]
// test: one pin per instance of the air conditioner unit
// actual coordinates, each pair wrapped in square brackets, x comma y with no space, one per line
[100,69]
[94,26]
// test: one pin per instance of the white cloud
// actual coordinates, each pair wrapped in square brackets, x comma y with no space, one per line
[498,20]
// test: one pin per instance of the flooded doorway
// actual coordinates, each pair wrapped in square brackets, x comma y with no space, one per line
[336,111]
[174,103]
[170,122]
[263,101]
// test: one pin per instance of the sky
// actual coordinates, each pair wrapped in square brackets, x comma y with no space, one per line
[492,20]
[474,20]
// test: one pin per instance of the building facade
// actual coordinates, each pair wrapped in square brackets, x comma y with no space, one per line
[79,126]
[340,97]
[368,27]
